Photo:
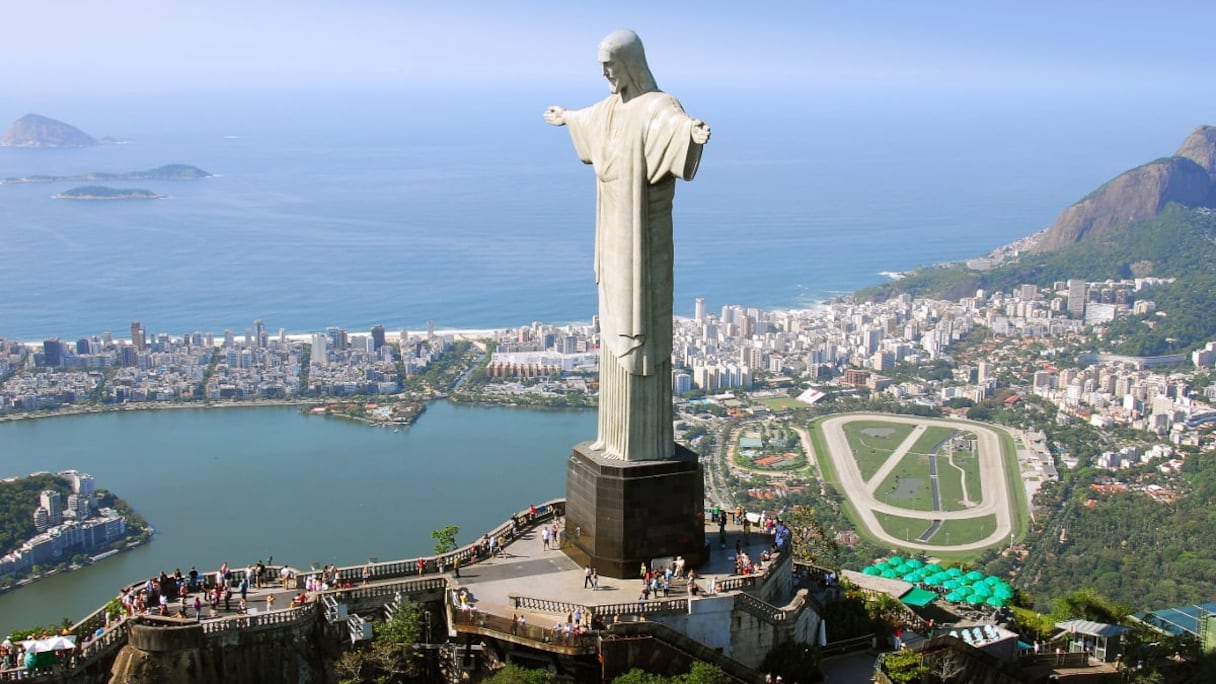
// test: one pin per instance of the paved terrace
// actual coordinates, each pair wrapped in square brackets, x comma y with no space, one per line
[540,585]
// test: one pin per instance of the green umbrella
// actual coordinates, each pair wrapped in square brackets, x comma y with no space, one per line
[1003,591]
[933,567]
[954,572]
[995,601]
[992,580]
[975,600]
[913,577]
[870,570]
[954,597]
[890,574]
[951,585]
[963,591]
[913,563]
[981,589]
[881,565]
[895,560]
[933,581]
[975,575]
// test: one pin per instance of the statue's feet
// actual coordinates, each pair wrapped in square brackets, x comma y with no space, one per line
[597,445]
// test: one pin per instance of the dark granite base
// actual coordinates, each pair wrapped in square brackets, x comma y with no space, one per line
[620,514]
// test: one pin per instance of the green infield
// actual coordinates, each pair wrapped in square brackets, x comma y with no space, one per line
[872,441]
[964,531]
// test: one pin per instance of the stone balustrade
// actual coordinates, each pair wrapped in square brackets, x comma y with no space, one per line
[116,635]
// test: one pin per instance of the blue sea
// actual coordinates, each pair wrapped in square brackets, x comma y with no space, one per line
[396,208]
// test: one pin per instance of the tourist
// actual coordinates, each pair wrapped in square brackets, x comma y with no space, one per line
[421,566]
[595,580]
[587,576]
[269,602]
[367,573]
[544,538]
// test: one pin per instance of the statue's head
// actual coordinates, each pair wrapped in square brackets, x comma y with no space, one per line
[624,63]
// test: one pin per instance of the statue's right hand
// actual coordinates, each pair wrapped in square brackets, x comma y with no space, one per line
[555,116]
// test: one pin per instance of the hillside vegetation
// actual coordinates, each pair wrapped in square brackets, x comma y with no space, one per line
[18,499]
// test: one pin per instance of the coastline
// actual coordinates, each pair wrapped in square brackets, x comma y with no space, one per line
[153,406]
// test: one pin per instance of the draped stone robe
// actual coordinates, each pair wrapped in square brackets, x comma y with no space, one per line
[637,148]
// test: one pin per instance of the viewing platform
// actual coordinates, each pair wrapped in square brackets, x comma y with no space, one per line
[525,595]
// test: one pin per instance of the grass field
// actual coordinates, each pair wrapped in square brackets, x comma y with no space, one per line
[871,452]
[782,403]
[932,437]
[964,531]
[901,527]
[907,486]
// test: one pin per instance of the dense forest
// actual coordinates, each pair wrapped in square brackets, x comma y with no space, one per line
[18,499]
[1180,243]
[1147,553]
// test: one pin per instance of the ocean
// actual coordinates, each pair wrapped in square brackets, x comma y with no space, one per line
[463,208]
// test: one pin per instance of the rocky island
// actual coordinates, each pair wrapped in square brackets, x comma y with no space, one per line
[35,130]
[173,172]
[101,192]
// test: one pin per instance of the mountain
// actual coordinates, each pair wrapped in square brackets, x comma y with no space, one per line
[35,130]
[1187,178]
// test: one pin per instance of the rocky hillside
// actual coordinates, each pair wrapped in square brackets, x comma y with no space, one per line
[34,130]
[1187,178]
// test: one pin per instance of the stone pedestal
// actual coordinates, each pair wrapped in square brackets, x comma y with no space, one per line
[620,514]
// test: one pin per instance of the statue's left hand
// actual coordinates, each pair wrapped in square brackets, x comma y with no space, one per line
[700,132]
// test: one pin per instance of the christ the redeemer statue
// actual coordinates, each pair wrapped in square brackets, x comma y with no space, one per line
[639,141]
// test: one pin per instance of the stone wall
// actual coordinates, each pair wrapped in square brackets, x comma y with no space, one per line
[295,651]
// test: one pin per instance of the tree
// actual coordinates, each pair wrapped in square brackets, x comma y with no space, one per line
[445,538]
[794,661]
[514,674]
[391,656]
[699,673]
[903,667]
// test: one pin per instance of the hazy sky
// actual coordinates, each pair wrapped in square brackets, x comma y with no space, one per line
[56,47]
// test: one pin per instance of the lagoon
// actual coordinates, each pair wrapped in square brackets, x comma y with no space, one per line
[242,484]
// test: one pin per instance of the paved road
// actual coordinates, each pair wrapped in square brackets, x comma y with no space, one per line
[994,486]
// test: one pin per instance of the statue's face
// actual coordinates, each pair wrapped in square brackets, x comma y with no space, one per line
[612,72]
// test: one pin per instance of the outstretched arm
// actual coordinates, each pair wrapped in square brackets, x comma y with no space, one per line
[555,116]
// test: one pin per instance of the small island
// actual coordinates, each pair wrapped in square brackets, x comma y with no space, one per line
[101,192]
[35,130]
[173,172]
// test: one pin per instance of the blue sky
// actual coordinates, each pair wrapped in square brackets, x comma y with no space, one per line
[54,47]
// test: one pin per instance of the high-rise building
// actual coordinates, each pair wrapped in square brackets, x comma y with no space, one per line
[320,350]
[377,336]
[52,501]
[83,484]
[1076,297]
[52,352]
[41,520]
[138,339]
[259,333]
[698,310]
